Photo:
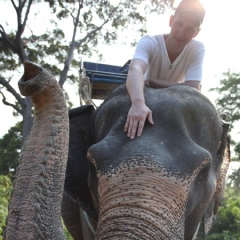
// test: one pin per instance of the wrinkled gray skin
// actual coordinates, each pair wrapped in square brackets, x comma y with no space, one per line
[35,207]
[158,186]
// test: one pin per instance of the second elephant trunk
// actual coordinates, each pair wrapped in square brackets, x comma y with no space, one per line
[35,207]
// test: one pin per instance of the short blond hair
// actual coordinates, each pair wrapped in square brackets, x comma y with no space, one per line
[194,6]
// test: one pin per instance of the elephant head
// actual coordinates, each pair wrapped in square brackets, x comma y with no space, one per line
[160,185]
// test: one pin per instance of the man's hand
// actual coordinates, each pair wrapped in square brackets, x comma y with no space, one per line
[136,119]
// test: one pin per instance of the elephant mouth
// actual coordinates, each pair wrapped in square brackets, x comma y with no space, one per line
[32,80]
[31,70]
[143,200]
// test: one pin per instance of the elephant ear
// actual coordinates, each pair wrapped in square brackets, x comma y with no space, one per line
[80,139]
[223,161]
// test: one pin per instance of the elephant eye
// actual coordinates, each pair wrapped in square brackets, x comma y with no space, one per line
[203,175]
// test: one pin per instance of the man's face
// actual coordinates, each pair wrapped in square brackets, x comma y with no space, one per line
[184,27]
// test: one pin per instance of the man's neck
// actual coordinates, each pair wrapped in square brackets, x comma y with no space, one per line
[172,53]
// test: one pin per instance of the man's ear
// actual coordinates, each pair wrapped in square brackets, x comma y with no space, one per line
[196,33]
[171,21]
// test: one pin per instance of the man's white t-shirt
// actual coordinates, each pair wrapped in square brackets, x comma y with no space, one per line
[187,66]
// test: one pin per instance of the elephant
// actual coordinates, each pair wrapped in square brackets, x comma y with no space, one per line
[80,164]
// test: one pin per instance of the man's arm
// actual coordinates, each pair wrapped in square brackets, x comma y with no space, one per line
[193,83]
[139,111]
[164,84]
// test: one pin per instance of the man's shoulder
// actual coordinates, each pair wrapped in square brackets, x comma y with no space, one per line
[196,44]
[153,38]
[150,42]
[157,38]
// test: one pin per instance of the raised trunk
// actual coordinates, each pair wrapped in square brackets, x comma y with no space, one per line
[133,206]
[27,117]
[35,207]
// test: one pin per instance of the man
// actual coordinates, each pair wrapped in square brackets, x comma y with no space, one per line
[165,60]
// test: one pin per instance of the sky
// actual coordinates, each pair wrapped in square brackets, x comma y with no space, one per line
[219,34]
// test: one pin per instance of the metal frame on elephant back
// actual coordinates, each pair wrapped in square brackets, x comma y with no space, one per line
[97,80]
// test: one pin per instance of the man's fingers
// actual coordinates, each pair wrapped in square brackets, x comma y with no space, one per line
[132,128]
[140,127]
[136,120]
[126,124]
[150,118]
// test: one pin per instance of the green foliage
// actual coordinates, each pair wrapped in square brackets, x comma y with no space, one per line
[226,225]
[10,146]
[228,221]
[67,234]
[228,101]
[229,95]
[237,151]
[234,181]
[5,193]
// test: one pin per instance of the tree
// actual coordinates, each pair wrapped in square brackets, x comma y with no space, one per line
[10,146]
[229,95]
[234,180]
[93,22]
[227,222]
[228,101]
[226,225]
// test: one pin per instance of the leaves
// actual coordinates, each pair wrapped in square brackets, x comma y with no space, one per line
[229,95]
[5,193]
[10,146]
[228,220]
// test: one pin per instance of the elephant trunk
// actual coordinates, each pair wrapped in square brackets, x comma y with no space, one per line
[134,206]
[35,207]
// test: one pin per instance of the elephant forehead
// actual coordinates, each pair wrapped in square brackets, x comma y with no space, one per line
[177,156]
[177,112]
[110,163]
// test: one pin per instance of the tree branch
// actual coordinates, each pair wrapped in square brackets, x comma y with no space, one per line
[21,26]
[69,58]
[27,13]
[88,35]
[14,5]
[10,89]
[5,102]
[6,39]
